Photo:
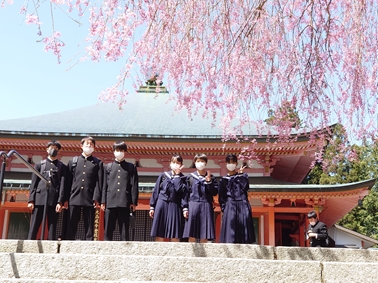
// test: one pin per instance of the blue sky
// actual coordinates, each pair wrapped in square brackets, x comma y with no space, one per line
[32,83]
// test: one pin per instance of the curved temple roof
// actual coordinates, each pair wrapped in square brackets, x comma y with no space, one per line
[145,114]
[151,115]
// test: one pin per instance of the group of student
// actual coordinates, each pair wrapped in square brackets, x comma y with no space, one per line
[80,187]
[182,206]
[177,198]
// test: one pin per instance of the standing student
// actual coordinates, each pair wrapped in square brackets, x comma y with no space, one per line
[202,187]
[54,171]
[237,222]
[84,186]
[166,203]
[120,193]
[317,231]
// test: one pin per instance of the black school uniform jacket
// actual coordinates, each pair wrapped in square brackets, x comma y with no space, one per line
[84,181]
[121,186]
[55,171]
[321,229]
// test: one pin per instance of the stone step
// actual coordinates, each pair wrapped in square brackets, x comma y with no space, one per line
[81,261]
[126,268]
[14,280]
[152,268]
[182,249]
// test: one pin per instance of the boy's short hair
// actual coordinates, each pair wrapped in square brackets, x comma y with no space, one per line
[177,157]
[312,214]
[119,146]
[200,156]
[88,139]
[54,143]
[231,158]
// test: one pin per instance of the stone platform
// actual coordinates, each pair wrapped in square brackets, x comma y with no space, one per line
[81,261]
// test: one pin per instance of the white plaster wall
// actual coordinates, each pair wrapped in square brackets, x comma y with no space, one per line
[342,238]
[151,163]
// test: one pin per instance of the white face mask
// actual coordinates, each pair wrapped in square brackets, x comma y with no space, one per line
[312,223]
[119,155]
[200,165]
[174,166]
[231,166]
[88,150]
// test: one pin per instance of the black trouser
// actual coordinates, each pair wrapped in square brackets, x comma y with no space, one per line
[36,221]
[111,216]
[74,213]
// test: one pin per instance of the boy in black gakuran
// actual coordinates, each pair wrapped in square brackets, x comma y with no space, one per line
[317,231]
[55,171]
[120,194]
[84,186]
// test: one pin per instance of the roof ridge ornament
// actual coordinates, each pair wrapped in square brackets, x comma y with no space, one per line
[153,84]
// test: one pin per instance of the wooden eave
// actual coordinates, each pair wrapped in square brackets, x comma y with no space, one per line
[304,191]
[165,148]
[277,191]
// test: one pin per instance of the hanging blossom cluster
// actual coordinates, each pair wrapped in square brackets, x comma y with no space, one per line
[3,2]
[32,19]
[54,44]
[238,60]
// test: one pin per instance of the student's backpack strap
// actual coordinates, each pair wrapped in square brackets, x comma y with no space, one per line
[59,167]
[109,167]
[73,167]
[96,160]
[74,163]
[76,158]
[43,166]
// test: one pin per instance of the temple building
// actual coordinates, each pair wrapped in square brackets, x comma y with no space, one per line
[153,131]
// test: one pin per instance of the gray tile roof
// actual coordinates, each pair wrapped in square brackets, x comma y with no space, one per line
[144,115]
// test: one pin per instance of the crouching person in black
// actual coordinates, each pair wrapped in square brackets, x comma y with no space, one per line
[54,171]
[317,231]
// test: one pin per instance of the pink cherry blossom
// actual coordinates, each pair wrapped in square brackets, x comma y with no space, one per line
[32,19]
[235,60]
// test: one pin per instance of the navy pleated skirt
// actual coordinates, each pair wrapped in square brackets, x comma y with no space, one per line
[167,221]
[237,223]
[200,223]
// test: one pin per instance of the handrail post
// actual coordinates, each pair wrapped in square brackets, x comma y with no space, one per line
[3,164]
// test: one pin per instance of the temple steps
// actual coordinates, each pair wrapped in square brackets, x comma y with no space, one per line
[82,261]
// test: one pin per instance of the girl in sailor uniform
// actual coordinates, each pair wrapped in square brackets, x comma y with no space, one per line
[237,222]
[166,203]
[202,187]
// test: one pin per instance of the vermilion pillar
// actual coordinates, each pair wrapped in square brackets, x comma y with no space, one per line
[271,226]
